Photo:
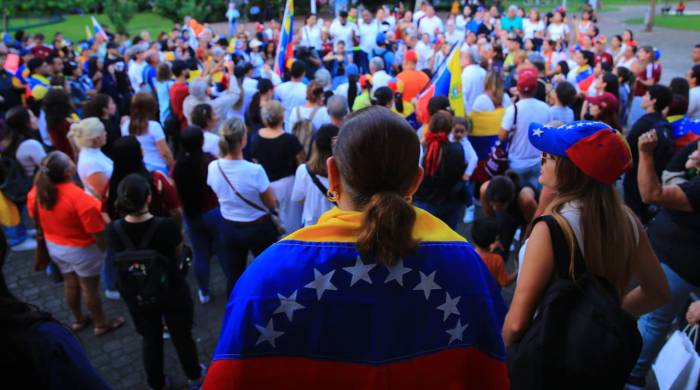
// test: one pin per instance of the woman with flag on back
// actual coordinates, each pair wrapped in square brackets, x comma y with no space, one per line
[374,295]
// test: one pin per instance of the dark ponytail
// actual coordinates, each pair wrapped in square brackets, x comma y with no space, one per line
[387,230]
[53,171]
[371,152]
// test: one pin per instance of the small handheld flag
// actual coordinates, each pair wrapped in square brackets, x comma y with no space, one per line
[447,81]
[98,29]
[285,49]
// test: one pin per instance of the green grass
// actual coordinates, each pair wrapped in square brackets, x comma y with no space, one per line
[686,22]
[574,5]
[73,27]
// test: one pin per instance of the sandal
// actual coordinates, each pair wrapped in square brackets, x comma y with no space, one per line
[80,325]
[114,325]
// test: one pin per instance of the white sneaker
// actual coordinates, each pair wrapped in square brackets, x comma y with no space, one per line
[31,232]
[27,245]
[112,294]
[203,298]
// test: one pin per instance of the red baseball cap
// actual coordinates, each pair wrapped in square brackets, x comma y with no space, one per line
[527,80]
[607,102]
[411,56]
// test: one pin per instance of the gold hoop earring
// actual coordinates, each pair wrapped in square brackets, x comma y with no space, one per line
[332,196]
[408,199]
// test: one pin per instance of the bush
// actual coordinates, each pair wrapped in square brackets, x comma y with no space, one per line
[202,10]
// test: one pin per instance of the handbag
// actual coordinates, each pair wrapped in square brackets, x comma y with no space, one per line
[497,162]
[271,213]
[678,365]
[41,254]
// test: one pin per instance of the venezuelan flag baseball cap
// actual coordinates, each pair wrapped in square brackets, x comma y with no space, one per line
[594,147]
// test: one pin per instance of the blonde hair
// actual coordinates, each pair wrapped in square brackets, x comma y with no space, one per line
[272,113]
[85,132]
[232,133]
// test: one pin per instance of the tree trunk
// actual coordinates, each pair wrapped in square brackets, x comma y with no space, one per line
[652,14]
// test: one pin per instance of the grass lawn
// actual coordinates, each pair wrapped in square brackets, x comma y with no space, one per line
[73,27]
[686,22]
[574,5]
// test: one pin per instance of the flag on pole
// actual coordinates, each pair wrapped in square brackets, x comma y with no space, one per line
[447,81]
[584,78]
[88,33]
[98,29]
[285,48]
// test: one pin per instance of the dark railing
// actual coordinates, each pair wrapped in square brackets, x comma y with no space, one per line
[29,21]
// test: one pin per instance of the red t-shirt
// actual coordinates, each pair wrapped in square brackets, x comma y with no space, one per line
[651,71]
[59,138]
[178,93]
[413,82]
[73,220]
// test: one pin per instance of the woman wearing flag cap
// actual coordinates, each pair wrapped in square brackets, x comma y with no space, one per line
[378,294]
[581,162]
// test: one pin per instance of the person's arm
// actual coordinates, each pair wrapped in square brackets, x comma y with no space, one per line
[653,290]
[165,152]
[536,272]
[97,182]
[650,189]
[268,198]
[485,204]
[471,157]
[301,157]
[527,204]
[693,314]
[101,240]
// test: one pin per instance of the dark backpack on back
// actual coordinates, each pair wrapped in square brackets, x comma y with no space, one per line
[580,337]
[14,184]
[142,271]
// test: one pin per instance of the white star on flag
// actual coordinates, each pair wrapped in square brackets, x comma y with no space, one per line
[360,271]
[288,305]
[321,283]
[268,334]
[396,273]
[457,332]
[427,284]
[537,132]
[449,307]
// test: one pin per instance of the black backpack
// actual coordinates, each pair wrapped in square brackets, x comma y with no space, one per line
[142,272]
[580,337]
[14,184]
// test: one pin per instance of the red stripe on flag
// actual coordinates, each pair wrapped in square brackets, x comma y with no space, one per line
[463,368]
[423,100]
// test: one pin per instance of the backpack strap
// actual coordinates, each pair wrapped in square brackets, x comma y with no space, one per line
[561,249]
[123,237]
[148,236]
[313,114]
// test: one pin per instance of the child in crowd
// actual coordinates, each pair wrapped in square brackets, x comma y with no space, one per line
[486,244]
[561,98]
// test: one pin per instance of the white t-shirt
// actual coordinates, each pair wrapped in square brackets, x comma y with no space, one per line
[151,156]
[343,33]
[320,118]
[694,103]
[304,190]
[290,94]
[90,162]
[211,143]
[470,155]
[424,52]
[472,84]
[311,37]
[368,35]
[454,37]
[428,25]
[380,79]
[557,31]
[135,73]
[249,180]
[522,154]
[29,155]
[483,103]
[530,28]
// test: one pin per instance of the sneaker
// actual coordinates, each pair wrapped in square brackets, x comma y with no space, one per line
[112,294]
[203,298]
[27,245]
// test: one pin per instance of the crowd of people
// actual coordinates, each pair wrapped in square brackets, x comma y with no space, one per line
[122,152]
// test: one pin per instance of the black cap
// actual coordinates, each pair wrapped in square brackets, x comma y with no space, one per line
[325,135]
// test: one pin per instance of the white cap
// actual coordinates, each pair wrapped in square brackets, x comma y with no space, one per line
[254,43]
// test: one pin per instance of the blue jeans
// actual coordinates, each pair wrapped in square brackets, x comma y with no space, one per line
[654,326]
[530,176]
[203,233]
[449,212]
[236,240]
[109,273]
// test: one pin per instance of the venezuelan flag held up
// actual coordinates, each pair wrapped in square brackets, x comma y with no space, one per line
[311,313]
[285,48]
[447,81]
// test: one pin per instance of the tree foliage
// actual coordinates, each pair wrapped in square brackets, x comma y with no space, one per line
[119,13]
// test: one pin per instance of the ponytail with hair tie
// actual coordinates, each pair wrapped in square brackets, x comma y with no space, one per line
[432,158]
[387,230]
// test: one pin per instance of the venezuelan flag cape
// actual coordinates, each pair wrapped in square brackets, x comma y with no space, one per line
[486,126]
[285,48]
[685,130]
[447,81]
[310,313]
[584,78]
